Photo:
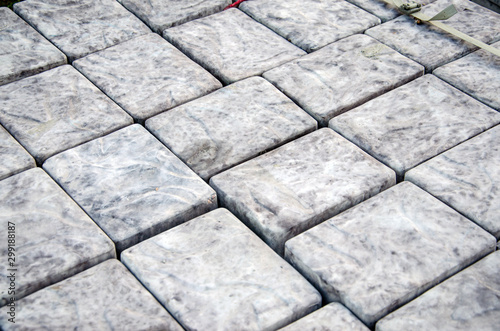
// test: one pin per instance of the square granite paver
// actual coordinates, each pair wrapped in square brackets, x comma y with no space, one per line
[289,190]
[105,297]
[310,24]
[81,27]
[467,178]
[54,238]
[431,46]
[131,185]
[469,300]
[23,51]
[231,45]
[162,14]
[414,122]
[230,126]
[343,75]
[384,252]
[213,273]
[56,110]
[14,158]
[146,75]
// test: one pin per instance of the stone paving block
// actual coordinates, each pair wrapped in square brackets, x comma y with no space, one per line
[56,110]
[230,126]
[54,238]
[379,8]
[343,75]
[310,24]
[477,74]
[146,75]
[161,14]
[331,317]
[23,51]
[213,273]
[415,122]
[289,190]
[14,158]
[467,178]
[105,297]
[469,300]
[244,47]
[431,46]
[81,27]
[384,252]
[131,185]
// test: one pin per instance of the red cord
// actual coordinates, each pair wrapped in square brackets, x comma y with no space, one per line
[234,4]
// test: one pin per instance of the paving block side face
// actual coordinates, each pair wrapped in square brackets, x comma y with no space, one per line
[131,185]
[81,27]
[54,238]
[230,126]
[213,273]
[414,122]
[105,297]
[244,47]
[384,252]
[146,75]
[342,76]
[24,52]
[469,300]
[15,158]
[284,192]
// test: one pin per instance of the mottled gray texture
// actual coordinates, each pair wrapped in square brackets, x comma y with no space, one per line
[343,75]
[469,300]
[54,238]
[146,75]
[310,24]
[379,8]
[415,122]
[23,51]
[289,190]
[431,46]
[213,273]
[230,126]
[105,297]
[162,14]
[467,178]
[477,74]
[384,252]
[243,47]
[14,158]
[131,185]
[56,110]
[81,27]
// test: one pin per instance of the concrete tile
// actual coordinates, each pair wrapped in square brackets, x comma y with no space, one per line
[15,158]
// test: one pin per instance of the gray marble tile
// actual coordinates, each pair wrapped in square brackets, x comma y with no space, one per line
[469,300]
[343,75]
[54,238]
[381,9]
[231,45]
[431,46]
[14,158]
[213,273]
[230,126]
[105,297]
[56,110]
[288,190]
[333,316]
[415,122]
[467,178]
[384,252]
[310,24]
[131,185]
[23,51]
[81,27]
[161,14]
[146,75]
[477,74]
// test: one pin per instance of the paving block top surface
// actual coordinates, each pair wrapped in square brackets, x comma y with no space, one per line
[379,8]
[14,158]
[230,125]
[146,75]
